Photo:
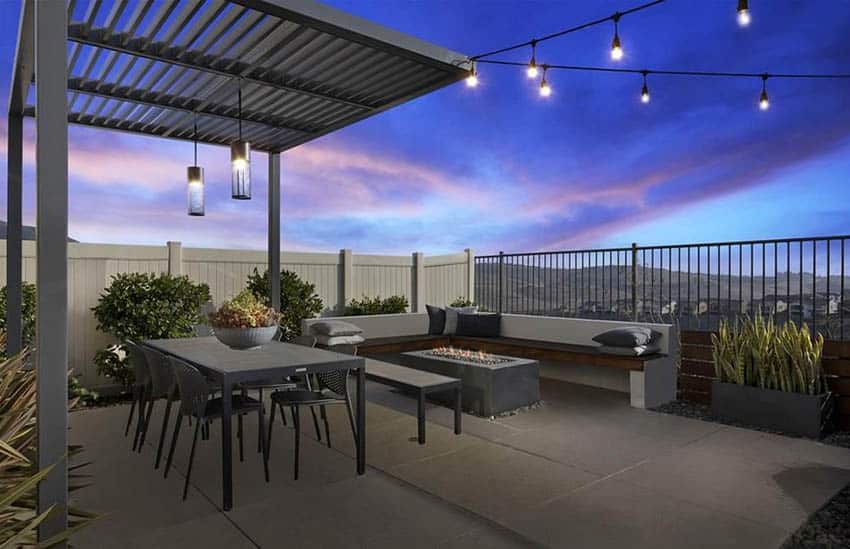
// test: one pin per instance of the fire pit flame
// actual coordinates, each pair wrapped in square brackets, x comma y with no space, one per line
[467,355]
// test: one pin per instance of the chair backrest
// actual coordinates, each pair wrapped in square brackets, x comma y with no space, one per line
[194,389]
[305,340]
[161,372]
[139,363]
[337,380]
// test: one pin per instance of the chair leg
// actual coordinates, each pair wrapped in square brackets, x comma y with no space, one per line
[351,419]
[170,458]
[151,402]
[140,417]
[262,430]
[191,460]
[327,428]
[420,417]
[262,412]
[241,437]
[458,410]
[163,432]
[313,411]
[132,410]
[296,420]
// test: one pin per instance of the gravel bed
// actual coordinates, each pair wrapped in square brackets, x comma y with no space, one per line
[829,527]
[703,412]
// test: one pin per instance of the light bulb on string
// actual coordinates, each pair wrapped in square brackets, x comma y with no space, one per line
[644,92]
[545,88]
[764,102]
[743,13]
[531,71]
[616,46]
[472,79]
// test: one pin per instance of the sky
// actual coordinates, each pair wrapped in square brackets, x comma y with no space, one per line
[499,168]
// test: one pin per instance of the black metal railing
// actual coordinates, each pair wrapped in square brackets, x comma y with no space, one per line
[696,285]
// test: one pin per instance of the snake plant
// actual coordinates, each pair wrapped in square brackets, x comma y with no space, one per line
[755,351]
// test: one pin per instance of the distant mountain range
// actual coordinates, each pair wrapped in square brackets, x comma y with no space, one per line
[28,232]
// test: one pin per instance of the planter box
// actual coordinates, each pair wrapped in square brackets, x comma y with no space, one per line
[488,390]
[791,413]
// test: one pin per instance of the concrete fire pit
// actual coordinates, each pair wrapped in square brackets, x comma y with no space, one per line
[491,387]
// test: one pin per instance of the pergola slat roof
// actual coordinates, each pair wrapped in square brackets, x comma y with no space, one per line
[157,67]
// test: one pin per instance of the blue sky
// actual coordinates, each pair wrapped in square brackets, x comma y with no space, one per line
[498,168]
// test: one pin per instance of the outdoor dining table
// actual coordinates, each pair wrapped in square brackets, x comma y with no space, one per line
[273,361]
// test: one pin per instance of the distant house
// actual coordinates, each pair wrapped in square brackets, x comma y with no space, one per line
[27,233]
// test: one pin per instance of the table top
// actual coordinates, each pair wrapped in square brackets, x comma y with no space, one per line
[273,359]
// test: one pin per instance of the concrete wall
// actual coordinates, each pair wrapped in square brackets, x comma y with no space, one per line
[338,277]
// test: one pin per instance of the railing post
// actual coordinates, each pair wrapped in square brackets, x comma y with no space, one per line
[501,274]
[634,281]
[470,274]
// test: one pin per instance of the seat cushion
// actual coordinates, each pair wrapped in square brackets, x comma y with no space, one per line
[335,328]
[627,336]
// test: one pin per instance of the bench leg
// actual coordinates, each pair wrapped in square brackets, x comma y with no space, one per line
[420,416]
[457,411]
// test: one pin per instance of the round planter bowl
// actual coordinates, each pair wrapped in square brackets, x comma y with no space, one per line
[245,338]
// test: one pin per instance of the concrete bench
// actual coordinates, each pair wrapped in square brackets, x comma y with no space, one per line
[419,382]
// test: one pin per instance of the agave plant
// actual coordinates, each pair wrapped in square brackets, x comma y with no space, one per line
[19,476]
[756,352]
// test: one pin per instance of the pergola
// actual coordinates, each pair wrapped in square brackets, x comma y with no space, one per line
[158,68]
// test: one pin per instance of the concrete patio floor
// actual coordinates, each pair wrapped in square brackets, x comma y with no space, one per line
[582,470]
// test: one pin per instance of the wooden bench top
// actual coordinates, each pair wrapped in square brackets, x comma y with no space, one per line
[402,375]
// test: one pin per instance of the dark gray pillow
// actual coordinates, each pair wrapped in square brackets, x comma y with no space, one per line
[640,350]
[478,324]
[627,337]
[436,319]
[335,328]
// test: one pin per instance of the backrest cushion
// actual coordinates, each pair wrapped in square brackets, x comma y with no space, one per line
[478,324]
[436,319]
[627,337]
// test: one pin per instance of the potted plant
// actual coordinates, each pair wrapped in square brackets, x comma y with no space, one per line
[244,322]
[770,376]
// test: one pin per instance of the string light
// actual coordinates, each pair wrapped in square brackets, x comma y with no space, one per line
[531,72]
[472,79]
[743,13]
[616,47]
[644,92]
[545,88]
[764,102]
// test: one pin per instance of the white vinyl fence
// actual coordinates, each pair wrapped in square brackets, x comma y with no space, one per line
[338,277]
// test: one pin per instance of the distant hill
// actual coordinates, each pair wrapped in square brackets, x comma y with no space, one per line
[28,232]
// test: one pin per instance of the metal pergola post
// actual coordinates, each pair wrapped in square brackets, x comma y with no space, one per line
[14,252]
[51,155]
[274,229]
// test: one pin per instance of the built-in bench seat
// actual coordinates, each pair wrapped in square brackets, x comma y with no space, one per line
[565,344]
[419,382]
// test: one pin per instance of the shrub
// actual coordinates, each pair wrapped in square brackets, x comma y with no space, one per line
[145,306]
[461,302]
[377,306]
[758,353]
[244,311]
[298,299]
[28,305]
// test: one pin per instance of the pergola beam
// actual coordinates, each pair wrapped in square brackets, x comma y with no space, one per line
[24,59]
[187,105]
[51,154]
[176,56]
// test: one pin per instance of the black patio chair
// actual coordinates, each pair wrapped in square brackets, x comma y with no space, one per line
[195,402]
[141,386]
[332,390]
[163,386]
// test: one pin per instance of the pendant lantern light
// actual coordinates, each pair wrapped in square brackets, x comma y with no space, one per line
[195,181]
[240,161]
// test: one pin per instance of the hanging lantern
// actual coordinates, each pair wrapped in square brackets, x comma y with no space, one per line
[195,183]
[240,162]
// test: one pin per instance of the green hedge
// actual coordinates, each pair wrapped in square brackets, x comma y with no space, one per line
[298,299]
[377,306]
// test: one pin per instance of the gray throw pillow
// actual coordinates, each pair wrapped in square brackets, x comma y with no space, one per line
[334,328]
[451,318]
[639,350]
[627,336]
